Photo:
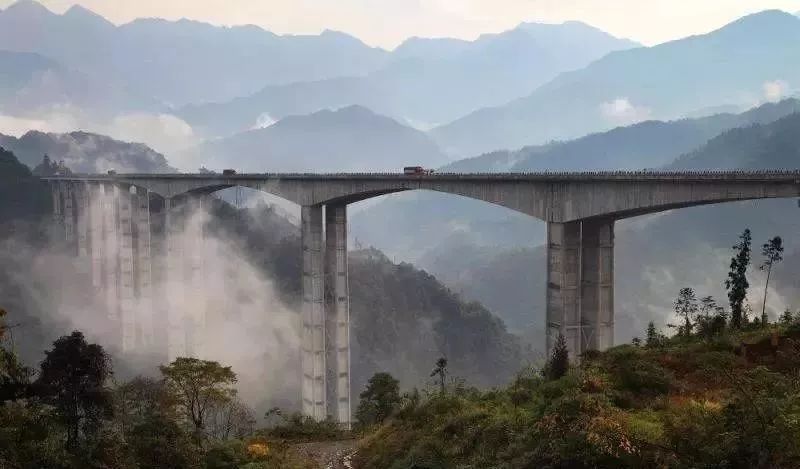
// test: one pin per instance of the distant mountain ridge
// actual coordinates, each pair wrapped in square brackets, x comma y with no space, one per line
[737,64]
[649,144]
[202,63]
[85,152]
[426,81]
[349,139]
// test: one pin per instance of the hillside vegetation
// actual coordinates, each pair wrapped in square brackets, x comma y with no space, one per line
[728,401]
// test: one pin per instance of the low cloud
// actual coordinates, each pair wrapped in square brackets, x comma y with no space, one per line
[263,121]
[775,90]
[621,111]
[165,133]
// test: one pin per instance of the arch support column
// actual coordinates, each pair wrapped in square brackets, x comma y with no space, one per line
[337,314]
[580,284]
[313,315]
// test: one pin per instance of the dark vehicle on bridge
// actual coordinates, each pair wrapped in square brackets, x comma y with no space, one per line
[229,172]
[416,171]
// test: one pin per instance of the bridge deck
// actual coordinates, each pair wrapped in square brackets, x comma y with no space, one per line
[782,175]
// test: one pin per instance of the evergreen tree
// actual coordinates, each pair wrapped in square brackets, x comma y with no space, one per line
[786,317]
[736,283]
[772,251]
[73,379]
[441,371]
[378,400]
[559,360]
[652,339]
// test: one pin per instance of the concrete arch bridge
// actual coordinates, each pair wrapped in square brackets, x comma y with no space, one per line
[579,208]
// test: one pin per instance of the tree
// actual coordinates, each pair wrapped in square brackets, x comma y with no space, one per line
[653,338]
[441,371]
[786,317]
[231,419]
[14,377]
[380,398]
[772,251]
[559,359]
[686,308]
[72,379]
[736,283]
[199,386]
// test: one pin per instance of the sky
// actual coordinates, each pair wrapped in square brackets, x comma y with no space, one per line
[386,23]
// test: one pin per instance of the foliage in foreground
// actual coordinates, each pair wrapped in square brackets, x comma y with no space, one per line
[684,402]
[72,415]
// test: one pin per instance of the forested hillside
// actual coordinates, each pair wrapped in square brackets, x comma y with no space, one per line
[85,152]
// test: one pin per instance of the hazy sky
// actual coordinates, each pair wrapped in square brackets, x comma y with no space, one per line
[388,22]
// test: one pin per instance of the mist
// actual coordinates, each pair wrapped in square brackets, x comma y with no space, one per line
[231,306]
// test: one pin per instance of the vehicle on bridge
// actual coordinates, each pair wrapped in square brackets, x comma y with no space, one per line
[229,172]
[416,171]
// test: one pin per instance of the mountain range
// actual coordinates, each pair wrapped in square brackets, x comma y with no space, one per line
[426,81]
[746,62]
[178,62]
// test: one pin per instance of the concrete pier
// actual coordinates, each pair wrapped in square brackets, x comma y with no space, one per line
[143,270]
[68,203]
[175,278]
[96,234]
[313,315]
[127,312]
[337,315]
[111,244]
[580,284]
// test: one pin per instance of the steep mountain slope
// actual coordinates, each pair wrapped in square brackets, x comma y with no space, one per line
[649,144]
[737,64]
[349,139]
[201,63]
[427,81]
[84,152]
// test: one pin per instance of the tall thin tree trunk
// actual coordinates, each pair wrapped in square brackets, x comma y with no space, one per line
[766,287]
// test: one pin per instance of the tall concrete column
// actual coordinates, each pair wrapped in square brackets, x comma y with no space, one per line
[563,281]
[195,300]
[68,197]
[127,311]
[58,207]
[313,316]
[597,285]
[96,233]
[176,330]
[159,275]
[337,314]
[83,209]
[111,250]
[143,270]
[580,284]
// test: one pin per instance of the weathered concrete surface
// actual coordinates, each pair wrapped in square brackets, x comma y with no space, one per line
[313,314]
[580,284]
[337,314]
